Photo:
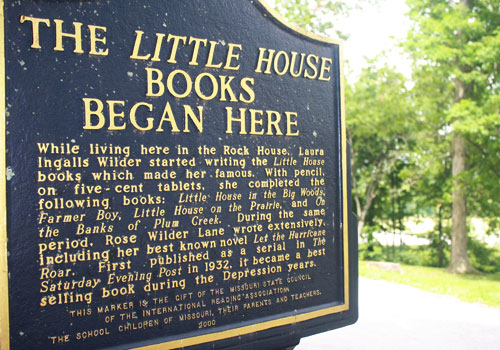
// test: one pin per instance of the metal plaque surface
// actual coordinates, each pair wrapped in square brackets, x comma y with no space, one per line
[173,174]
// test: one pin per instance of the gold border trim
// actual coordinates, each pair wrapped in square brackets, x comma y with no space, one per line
[4,277]
[211,337]
[236,332]
[294,28]
[344,175]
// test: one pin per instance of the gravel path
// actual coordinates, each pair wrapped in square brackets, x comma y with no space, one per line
[394,316]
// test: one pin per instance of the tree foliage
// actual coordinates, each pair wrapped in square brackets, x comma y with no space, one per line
[434,148]
[455,45]
[380,128]
[316,16]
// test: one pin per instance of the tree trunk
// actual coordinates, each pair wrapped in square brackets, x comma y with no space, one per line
[459,261]
[371,190]
[362,210]
[361,224]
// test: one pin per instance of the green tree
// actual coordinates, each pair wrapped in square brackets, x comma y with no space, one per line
[377,108]
[380,129]
[457,42]
[313,16]
[317,16]
[431,174]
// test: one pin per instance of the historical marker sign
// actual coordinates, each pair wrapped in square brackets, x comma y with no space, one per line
[174,173]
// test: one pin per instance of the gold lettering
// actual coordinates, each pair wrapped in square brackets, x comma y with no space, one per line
[198,122]
[230,120]
[89,113]
[157,82]
[273,119]
[159,42]
[290,123]
[170,84]
[325,68]
[170,119]
[133,118]
[60,34]
[113,115]
[254,121]
[231,55]
[292,65]
[197,86]
[210,59]
[286,66]
[312,65]
[261,60]
[175,46]
[35,25]
[137,45]
[94,39]
[226,87]
[196,48]
[245,85]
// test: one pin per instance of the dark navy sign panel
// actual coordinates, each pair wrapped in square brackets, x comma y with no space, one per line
[176,174]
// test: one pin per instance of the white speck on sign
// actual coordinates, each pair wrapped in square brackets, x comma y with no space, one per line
[10,173]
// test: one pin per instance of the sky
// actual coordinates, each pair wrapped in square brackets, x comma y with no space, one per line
[373,29]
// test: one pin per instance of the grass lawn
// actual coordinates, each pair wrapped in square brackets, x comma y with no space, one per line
[484,289]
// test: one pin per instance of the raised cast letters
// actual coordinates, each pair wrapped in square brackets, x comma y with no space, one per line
[173,173]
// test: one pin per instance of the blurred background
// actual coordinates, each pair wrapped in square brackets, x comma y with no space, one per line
[423,119]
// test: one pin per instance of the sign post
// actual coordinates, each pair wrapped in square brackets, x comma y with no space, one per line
[173,174]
